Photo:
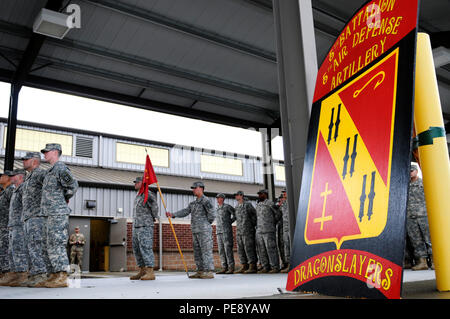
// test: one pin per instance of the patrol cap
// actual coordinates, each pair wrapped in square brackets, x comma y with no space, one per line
[51,146]
[8,173]
[222,195]
[18,172]
[198,184]
[283,190]
[414,167]
[239,193]
[138,179]
[263,191]
[29,155]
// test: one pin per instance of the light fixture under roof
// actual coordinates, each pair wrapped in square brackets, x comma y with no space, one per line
[51,23]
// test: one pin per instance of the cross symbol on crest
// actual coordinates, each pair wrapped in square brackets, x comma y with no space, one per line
[324,218]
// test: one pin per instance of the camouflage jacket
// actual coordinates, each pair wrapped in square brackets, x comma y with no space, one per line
[15,207]
[77,237]
[267,216]
[245,218]
[225,216]
[145,214]
[416,200]
[32,193]
[202,214]
[58,187]
[285,215]
[5,200]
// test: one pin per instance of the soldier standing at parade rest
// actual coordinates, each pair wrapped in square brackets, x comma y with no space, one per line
[77,242]
[267,216]
[202,216]
[35,222]
[286,233]
[245,234]
[18,254]
[225,216]
[144,217]
[417,222]
[5,199]
[58,187]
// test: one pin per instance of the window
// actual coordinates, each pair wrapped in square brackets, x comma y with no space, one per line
[34,141]
[220,165]
[280,174]
[135,154]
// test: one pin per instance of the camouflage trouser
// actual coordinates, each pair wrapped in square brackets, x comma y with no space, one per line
[280,242]
[76,254]
[246,248]
[36,239]
[203,250]
[268,252]
[225,245]
[4,243]
[419,235]
[287,244]
[57,237]
[18,252]
[143,246]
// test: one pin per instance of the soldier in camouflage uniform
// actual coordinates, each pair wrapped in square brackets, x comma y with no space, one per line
[77,242]
[225,216]
[202,216]
[417,221]
[58,187]
[18,253]
[286,232]
[245,234]
[144,216]
[5,199]
[35,222]
[267,216]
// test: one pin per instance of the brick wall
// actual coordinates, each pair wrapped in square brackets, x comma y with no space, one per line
[171,256]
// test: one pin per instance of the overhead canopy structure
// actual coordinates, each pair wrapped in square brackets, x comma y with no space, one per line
[213,60]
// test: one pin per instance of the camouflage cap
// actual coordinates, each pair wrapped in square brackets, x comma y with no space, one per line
[51,147]
[239,193]
[18,172]
[198,184]
[8,173]
[138,179]
[221,195]
[29,155]
[414,167]
[263,191]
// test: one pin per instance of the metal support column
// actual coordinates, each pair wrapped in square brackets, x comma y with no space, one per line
[297,71]
[12,124]
[268,178]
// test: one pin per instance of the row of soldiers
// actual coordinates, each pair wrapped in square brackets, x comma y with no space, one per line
[34,221]
[256,232]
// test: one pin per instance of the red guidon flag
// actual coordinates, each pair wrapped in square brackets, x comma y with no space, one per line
[148,178]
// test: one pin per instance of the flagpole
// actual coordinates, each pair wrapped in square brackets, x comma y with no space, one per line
[173,230]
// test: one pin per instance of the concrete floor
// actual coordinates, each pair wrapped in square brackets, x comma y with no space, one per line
[176,285]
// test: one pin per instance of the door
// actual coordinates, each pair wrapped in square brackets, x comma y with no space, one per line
[99,240]
[118,245]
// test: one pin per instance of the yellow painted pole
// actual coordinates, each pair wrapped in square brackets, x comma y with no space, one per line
[173,230]
[434,159]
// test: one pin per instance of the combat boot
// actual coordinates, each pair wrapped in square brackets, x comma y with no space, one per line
[286,270]
[148,274]
[58,281]
[198,274]
[42,283]
[274,270]
[230,270]
[36,280]
[207,275]
[263,271]
[7,278]
[252,269]
[222,271]
[421,265]
[243,269]
[139,274]
[432,263]
[19,280]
